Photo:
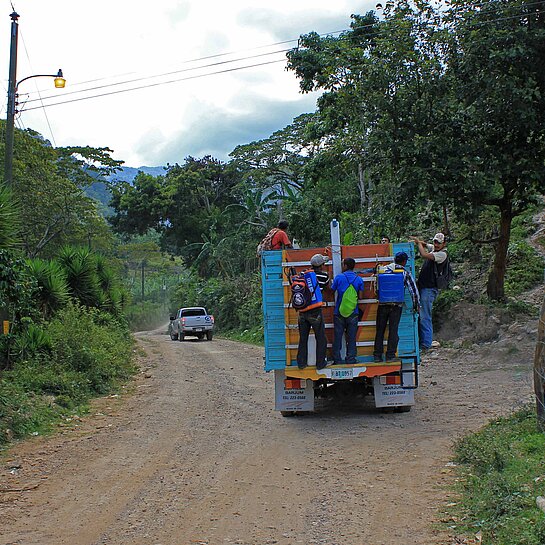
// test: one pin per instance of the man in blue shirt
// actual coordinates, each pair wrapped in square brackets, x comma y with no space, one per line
[346,325]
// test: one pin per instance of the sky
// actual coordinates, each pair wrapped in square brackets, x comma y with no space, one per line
[187,58]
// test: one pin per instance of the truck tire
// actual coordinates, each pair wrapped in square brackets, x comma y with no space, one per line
[209,335]
[181,337]
[173,336]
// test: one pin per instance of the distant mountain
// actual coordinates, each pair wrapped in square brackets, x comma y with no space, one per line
[128,174]
[100,192]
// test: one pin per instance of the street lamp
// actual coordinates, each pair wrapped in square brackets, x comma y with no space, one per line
[13,85]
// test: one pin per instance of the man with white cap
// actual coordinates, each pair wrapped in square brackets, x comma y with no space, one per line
[314,319]
[427,284]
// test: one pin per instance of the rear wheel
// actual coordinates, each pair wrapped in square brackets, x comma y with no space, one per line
[173,336]
[181,337]
[209,335]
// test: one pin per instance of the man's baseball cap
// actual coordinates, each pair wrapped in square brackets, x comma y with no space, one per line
[317,260]
[439,237]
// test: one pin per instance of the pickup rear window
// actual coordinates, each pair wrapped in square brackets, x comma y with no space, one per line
[193,312]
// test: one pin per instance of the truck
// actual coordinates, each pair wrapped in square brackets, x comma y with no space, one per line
[391,384]
[191,321]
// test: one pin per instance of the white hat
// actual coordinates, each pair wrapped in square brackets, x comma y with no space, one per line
[317,260]
[439,237]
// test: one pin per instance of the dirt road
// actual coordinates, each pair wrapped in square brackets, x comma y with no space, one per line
[196,455]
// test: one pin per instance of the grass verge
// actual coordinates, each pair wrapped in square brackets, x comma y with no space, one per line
[502,471]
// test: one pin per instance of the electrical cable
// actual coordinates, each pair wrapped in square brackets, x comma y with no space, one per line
[157,84]
[165,74]
[228,62]
[40,97]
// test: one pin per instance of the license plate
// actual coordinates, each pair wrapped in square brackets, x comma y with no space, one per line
[341,374]
[198,329]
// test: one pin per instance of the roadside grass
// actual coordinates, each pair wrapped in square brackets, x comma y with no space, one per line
[501,472]
[91,355]
[250,336]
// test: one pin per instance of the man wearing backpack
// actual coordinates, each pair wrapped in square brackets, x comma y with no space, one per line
[435,259]
[275,239]
[389,313]
[349,288]
[313,318]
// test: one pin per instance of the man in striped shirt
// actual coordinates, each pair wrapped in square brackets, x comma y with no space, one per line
[390,313]
[314,319]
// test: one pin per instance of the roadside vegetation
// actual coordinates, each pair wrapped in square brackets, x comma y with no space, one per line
[501,471]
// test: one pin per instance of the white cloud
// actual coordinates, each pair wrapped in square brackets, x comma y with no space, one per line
[101,43]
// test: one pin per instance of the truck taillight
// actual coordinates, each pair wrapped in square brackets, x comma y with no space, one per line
[183,321]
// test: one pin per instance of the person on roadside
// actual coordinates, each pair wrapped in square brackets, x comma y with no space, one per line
[314,319]
[389,314]
[384,239]
[280,239]
[433,254]
[346,326]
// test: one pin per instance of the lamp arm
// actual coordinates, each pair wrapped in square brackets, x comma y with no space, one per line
[36,76]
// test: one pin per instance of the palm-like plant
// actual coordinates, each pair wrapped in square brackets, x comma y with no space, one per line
[52,286]
[79,266]
[9,219]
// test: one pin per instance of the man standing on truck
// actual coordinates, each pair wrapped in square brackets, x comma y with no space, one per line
[314,319]
[280,239]
[345,316]
[390,313]
[427,284]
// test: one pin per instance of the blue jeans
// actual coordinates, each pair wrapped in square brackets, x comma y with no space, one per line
[342,326]
[425,325]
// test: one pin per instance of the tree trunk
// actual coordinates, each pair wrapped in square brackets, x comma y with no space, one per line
[496,278]
[446,225]
[539,370]
[361,184]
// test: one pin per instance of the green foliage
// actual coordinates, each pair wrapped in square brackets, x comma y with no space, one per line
[445,300]
[93,343]
[525,268]
[81,353]
[235,303]
[48,185]
[52,292]
[9,219]
[32,341]
[501,468]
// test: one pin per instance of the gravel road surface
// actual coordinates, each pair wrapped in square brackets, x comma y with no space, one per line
[195,454]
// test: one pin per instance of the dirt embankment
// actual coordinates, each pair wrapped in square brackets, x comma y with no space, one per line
[196,454]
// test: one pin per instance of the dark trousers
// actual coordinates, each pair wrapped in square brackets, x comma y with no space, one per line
[312,319]
[387,315]
[347,327]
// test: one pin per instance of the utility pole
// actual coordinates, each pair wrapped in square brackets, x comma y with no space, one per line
[143,268]
[10,118]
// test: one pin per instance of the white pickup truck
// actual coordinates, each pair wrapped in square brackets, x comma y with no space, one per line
[193,321]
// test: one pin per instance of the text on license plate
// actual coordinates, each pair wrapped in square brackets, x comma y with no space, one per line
[341,373]
[198,329]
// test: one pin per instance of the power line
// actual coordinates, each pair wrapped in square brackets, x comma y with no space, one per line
[159,83]
[40,98]
[373,25]
[165,74]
